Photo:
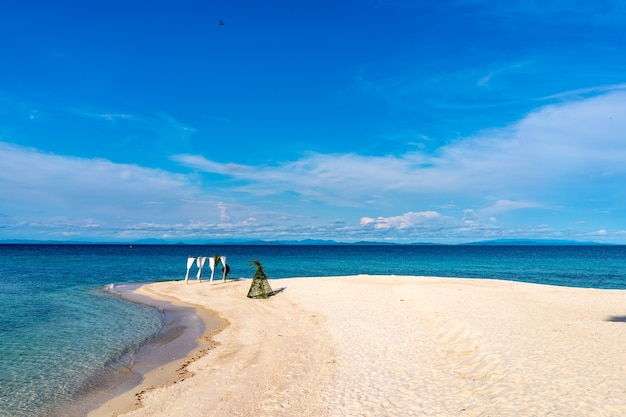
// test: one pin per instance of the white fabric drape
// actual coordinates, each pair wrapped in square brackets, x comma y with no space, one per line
[223,259]
[212,266]
[189,265]
[200,264]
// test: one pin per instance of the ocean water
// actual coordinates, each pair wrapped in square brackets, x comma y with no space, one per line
[63,332]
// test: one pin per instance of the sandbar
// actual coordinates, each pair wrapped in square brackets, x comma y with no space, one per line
[397,346]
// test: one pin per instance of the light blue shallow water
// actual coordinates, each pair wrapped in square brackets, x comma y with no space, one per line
[60,331]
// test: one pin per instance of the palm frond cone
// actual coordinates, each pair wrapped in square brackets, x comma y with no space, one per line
[260,287]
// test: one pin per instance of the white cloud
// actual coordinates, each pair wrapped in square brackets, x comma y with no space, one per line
[405,221]
[559,156]
[501,206]
[224,217]
[575,144]
[114,116]
[53,184]
[585,92]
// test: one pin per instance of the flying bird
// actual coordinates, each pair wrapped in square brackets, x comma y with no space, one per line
[221,22]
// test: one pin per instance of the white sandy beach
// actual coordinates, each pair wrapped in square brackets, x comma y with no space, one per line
[394,346]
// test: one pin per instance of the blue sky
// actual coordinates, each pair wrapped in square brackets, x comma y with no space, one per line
[399,121]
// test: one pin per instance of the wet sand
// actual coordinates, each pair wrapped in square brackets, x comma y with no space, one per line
[186,335]
[398,346]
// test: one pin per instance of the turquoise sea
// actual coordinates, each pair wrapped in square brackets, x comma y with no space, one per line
[64,333]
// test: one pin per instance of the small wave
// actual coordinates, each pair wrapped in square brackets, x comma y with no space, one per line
[109,288]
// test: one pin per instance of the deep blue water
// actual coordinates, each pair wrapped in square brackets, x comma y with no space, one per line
[60,331]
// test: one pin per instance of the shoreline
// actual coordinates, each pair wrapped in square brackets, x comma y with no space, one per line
[186,336]
[400,346]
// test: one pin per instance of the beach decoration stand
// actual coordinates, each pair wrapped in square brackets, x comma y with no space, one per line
[213,261]
[260,287]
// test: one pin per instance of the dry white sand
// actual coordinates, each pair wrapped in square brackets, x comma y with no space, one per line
[398,346]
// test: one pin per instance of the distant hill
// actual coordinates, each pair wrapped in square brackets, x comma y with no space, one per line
[321,242]
[289,242]
[325,242]
[313,242]
[152,242]
[534,242]
[495,242]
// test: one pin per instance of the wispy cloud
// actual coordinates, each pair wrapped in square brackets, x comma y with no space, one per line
[39,181]
[546,10]
[577,143]
[158,121]
[586,92]
[407,220]
[502,206]
[557,155]
[115,116]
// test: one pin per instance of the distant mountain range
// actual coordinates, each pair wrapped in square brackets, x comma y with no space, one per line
[496,242]
[535,242]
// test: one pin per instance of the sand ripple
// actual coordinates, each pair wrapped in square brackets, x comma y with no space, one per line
[404,346]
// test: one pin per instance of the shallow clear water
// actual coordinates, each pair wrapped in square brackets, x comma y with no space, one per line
[60,331]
